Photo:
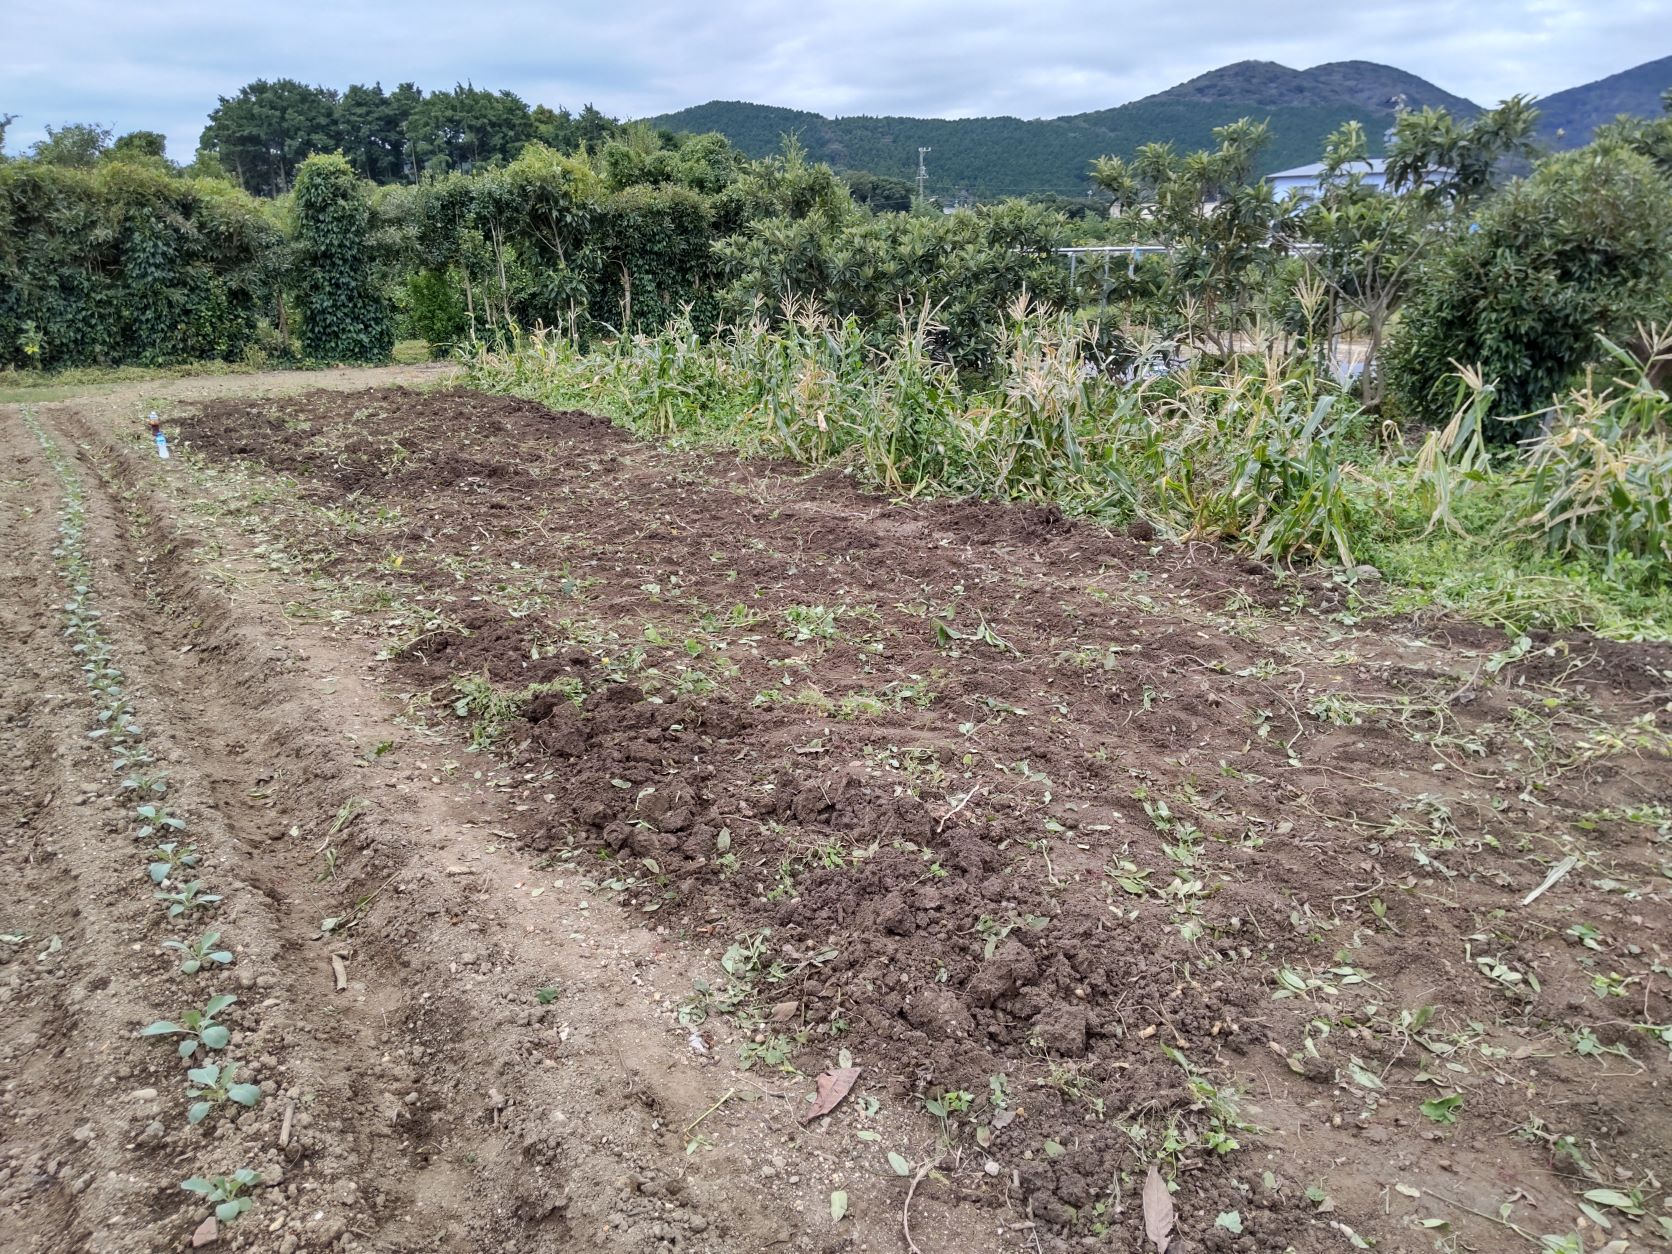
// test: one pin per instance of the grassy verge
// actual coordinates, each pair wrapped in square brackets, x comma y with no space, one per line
[1496,572]
[28,386]
[32,386]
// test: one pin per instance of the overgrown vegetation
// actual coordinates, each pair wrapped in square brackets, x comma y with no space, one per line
[121,264]
[1265,451]
[344,317]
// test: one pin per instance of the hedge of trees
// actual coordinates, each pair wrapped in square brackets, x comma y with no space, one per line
[261,135]
[119,262]
[109,255]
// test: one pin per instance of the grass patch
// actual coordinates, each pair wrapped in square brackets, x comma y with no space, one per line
[44,385]
[412,352]
[1493,570]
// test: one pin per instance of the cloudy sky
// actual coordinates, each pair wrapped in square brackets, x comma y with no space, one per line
[160,64]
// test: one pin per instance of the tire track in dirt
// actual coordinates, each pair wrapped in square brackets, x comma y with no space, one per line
[82,867]
[437,1108]
[88,1095]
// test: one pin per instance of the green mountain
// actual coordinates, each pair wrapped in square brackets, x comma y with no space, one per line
[1006,156]
[1366,84]
[1576,112]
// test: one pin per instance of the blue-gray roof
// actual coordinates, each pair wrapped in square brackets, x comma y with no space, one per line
[1371,165]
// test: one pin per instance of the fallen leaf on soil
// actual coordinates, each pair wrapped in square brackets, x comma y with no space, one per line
[208,1232]
[1158,1211]
[1556,873]
[833,1086]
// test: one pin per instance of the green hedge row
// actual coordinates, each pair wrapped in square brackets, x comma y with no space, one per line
[124,265]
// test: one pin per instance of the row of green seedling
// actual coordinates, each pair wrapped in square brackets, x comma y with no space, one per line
[171,865]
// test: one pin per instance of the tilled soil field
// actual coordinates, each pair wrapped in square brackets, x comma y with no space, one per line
[579,811]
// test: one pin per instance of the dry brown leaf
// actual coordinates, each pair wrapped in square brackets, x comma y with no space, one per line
[1158,1211]
[834,1085]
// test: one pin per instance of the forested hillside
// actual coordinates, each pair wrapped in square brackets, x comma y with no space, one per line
[1007,156]
[992,157]
[1575,113]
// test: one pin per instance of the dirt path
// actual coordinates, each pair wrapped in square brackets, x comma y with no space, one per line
[638,789]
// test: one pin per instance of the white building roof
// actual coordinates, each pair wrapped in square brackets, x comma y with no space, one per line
[1371,165]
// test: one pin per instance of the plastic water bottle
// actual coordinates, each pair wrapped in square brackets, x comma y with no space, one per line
[157,434]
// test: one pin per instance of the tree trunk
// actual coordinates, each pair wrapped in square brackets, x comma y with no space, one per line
[499,263]
[1371,389]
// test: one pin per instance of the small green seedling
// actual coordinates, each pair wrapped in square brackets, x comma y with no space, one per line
[144,782]
[1443,1109]
[546,996]
[197,1026]
[186,898]
[200,953]
[168,858]
[226,1192]
[804,623]
[155,820]
[212,1086]
[953,1102]
[129,756]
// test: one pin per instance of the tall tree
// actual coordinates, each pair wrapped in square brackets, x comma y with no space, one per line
[1216,223]
[139,146]
[593,128]
[1436,155]
[879,192]
[468,127]
[1370,242]
[372,127]
[79,144]
[555,128]
[264,132]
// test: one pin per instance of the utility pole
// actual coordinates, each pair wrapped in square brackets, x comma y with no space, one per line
[922,172]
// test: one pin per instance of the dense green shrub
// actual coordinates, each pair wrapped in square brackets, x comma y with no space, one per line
[657,257]
[1583,247]
[432,309]
[123,264]
[344,316]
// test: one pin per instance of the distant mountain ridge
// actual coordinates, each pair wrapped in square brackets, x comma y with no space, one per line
[1009,156]
[1578,111]
[1359,84]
